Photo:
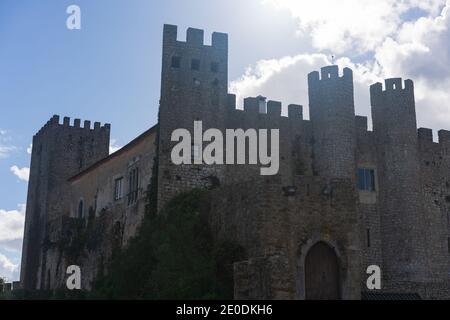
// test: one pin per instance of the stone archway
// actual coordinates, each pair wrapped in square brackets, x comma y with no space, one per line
[322,273]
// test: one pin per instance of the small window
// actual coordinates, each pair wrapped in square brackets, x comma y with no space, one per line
[118,189]
[133,186]
[214,67]
[366,179]
[80,209]
[195,64]
[176,62]
[368,238]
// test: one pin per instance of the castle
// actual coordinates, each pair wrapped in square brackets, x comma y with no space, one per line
[344,199]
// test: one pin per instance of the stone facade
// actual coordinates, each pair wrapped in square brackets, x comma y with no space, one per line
[397,218]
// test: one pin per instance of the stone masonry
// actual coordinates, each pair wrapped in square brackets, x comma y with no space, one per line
[378,197]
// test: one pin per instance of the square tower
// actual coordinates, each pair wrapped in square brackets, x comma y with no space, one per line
[194,87]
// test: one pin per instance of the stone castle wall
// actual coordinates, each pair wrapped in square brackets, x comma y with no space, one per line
[277,228]
[403,225]
[59,152]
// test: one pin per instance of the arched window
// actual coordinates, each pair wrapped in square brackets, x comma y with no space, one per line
[80,209]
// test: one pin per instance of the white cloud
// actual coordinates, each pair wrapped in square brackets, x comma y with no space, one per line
[345,25]
[21,173]
[5,151]
[113,146]
[278,79]
[8,270]
[421,51]
[12,224]
[5,147]
[11,236]
[411,48]
[30,149]
[285,80]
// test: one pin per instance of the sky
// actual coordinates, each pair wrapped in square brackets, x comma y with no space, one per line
[109,71]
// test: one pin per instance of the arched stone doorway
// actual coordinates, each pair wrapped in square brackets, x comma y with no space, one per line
[322,273]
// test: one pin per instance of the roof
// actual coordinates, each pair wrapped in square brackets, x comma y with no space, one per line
[384,296]
[116,154]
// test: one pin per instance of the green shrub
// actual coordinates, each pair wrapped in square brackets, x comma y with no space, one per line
[173,257]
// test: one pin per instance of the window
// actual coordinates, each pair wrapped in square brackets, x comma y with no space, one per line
[366,179]
[118,189]
[214,67]
[448,245]
[368,238]
[80,209]
[133,186]
[176,62]
[195,64]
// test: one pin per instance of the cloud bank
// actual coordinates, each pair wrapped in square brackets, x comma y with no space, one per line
[376,39]
[5,147]
[8,270]
[11,236]
[21,173]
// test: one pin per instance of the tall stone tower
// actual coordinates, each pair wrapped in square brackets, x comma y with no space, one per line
[332,109]
[194,87]
[395,129]
[59,152]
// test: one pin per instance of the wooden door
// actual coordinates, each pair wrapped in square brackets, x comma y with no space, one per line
[322,273]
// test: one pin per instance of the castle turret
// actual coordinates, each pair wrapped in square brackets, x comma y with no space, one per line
[193,88]
[59,152]
[332,109]
[395,129]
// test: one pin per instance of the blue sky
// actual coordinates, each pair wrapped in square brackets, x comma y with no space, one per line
[109,71]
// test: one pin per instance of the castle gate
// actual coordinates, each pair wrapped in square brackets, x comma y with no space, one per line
[322,273]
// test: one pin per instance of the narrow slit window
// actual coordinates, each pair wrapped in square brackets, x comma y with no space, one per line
[368,238]
[80,209]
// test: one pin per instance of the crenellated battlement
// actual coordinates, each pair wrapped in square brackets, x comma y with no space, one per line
[425,137]
[55,122]
[393,88]
[444,137]
[194,37]
[274,108]
[393,84]
[329,73]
